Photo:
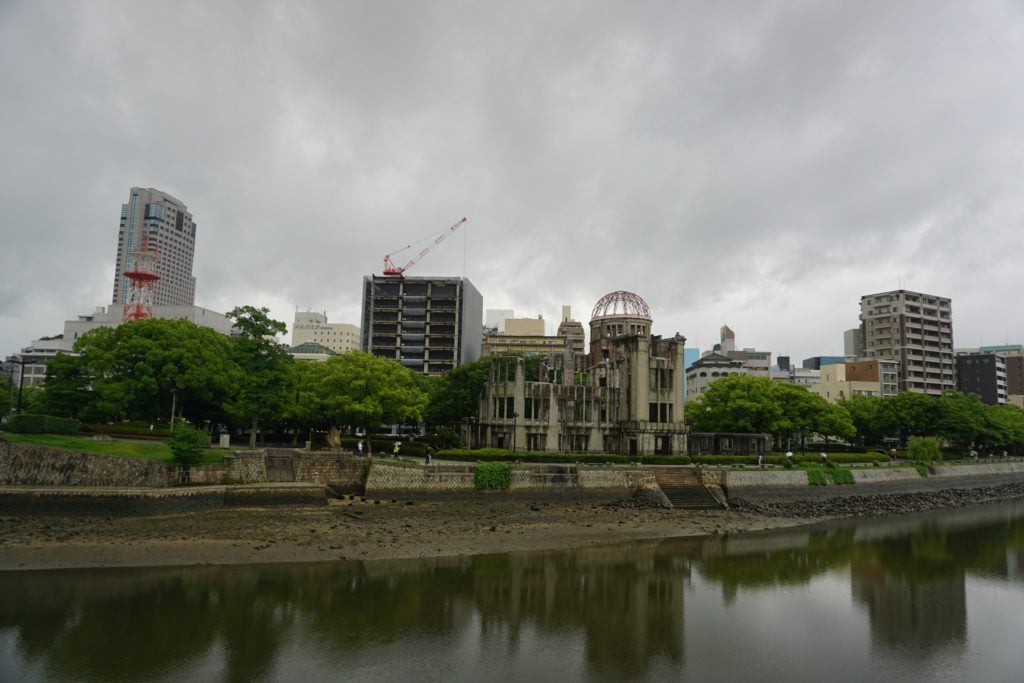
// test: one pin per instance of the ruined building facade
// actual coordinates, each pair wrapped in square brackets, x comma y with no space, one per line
[624,396]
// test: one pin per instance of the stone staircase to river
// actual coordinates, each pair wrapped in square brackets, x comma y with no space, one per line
[685,489]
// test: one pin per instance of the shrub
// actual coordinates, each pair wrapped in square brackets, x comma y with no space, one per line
[41,424]
[188,443]
[492,476]
[925,449]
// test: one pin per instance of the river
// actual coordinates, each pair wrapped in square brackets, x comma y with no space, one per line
[929,597]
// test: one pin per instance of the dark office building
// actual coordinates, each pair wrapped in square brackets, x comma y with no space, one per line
[815,362]
[983,374]
[1014,374]
[428,324]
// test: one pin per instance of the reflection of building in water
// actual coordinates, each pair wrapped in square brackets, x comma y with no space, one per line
[629,602]
[918,615]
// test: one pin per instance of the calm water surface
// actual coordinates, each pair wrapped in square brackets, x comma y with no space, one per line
[937,597]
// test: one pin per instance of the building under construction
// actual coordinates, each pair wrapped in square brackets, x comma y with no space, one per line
[428,324]
[623,396]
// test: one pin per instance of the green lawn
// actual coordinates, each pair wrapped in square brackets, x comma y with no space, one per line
[144,450]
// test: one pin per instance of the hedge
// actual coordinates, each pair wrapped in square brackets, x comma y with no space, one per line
[41,424]
[776,459]
[503,455]
[125,430]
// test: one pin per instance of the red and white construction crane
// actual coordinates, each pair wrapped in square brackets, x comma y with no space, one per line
[391,269]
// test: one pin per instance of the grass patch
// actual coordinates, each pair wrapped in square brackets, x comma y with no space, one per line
[842,476]
[816,476]
[143,450]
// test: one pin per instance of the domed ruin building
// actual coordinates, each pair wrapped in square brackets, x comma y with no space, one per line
[625,395]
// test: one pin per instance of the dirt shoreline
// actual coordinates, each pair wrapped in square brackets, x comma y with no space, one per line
[346,530]
[356,530]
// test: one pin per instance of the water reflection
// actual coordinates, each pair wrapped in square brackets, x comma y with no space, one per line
[615,612]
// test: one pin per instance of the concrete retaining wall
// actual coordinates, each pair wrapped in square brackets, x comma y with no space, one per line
[737,479]
[386,479]
[627,480]
[882,475]
[977,469]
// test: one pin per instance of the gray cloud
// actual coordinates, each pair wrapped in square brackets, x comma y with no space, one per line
[763,164]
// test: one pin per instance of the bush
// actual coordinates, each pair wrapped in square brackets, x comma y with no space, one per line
[492,476]
[925,449]
[188,443]
[41,424]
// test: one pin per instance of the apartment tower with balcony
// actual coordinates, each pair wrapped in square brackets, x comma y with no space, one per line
[914,329]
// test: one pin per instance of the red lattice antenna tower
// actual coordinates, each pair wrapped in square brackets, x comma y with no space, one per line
[142,280]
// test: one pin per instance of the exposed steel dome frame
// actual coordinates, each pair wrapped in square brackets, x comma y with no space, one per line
[621,304]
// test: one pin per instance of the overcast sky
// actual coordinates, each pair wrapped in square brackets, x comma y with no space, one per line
[759,164]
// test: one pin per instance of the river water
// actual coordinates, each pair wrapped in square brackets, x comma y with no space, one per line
[931,597]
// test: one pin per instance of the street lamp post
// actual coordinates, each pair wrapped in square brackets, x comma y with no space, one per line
[20,360]
[514,416]
[470,436]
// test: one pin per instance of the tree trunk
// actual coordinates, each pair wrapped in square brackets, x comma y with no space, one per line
[252,434]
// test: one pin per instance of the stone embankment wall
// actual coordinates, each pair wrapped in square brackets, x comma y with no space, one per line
[31,465]
[386,479]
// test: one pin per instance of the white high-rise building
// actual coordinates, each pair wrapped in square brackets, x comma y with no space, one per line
[171,231]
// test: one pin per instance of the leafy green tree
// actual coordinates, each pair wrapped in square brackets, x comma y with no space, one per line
[304,409]
[864,413]
[909,414]
[924,448]
[801,411]
[455,395]
[139,370]
[188,443]
[264,386]
[6,402]
[1005,425]
[67,389]
[737,403]
[836,421]
[360,390]
[961,419]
